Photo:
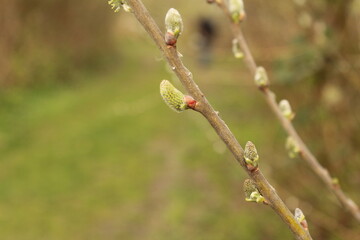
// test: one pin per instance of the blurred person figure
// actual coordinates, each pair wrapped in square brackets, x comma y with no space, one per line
[207,34]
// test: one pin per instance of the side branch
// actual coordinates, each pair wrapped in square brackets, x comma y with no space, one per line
[289,128]
[204,107]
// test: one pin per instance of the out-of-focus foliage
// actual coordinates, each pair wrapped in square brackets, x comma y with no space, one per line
[46,41]
[102,157]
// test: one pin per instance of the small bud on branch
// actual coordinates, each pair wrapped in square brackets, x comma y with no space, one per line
[174,26]
[236,49]
[286,110]
[237,11]
[261,78]
[175,99]
[252,194]
[251,156]
[118,4]
[300,217]
[292,147]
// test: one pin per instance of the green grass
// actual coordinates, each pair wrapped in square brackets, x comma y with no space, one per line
[104,158]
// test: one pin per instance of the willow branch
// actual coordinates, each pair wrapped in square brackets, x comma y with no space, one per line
[289,128]
[204,107]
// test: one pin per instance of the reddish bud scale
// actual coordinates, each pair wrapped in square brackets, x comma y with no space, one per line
[170,39]
[252,168]
[190,102]
[304,224]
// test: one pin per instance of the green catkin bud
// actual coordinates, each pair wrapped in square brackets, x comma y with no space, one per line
[175,99]
[174,26]
[252,194]
[261,78]
[237,11]
[172,97]
[236,49]
[250,154]
[286,110]
[292,147]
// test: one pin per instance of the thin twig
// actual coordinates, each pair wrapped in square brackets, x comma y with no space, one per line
[204,107]
[306,154]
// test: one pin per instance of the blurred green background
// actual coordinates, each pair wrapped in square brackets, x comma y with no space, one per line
[88,150]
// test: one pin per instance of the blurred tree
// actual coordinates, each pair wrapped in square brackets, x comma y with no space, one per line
[327,50]
[48,40]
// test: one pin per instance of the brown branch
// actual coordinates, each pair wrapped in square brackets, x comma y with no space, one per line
[305,153]
[204,107]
